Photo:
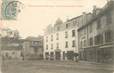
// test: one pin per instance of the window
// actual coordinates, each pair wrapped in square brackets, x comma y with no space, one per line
[57,45]
[51,37]
[84,31]
[47,47]
[66,34]
[10,33]
[74,23]
[108,36]
[99,39]
[58,28]
[35,42]
[66,46]
[73,33]
[51,46]
[109,18]
[13,53]
[91,41]
[46,39]
[90,28]
[70,55]
[66,25]
[96,40]
[63,55]
[99,24]
[57,35]
[73,43]
[51,55]
[84,43]
[81,44]
[47,55]
[104,20]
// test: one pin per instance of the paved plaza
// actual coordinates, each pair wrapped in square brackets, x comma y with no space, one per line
[54,67]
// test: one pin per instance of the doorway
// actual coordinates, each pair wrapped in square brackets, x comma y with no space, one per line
[57,55]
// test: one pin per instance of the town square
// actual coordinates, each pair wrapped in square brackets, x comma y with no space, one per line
[57,36]
[55,67]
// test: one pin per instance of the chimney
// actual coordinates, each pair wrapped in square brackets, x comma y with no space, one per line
[84,13]
[94,7]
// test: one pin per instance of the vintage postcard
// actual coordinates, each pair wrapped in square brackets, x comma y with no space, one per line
[56,36]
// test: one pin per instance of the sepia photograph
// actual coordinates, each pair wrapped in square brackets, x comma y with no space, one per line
[56,36]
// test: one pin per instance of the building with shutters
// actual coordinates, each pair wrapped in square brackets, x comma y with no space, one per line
[96,36]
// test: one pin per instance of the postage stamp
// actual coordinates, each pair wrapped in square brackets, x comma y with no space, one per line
[11,9]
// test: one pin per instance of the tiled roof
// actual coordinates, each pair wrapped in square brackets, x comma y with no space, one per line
[105,9]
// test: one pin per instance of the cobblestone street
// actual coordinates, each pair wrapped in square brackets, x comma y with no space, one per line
[54,67]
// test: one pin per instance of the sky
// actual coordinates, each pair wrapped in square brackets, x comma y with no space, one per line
[36,15]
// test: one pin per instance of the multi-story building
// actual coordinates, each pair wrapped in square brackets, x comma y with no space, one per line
[33,48]
[11,48]
[96,36]
[61,40]
[10,44]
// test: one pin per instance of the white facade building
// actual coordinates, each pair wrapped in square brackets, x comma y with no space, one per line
[61,40]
